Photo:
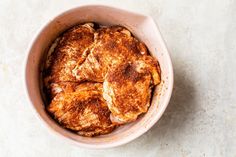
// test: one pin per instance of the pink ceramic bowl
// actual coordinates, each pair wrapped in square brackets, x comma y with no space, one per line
[144,28]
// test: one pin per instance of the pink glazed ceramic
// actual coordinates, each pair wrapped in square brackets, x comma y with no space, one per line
[144,28]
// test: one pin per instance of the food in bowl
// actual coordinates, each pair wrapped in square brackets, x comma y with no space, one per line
[97,77]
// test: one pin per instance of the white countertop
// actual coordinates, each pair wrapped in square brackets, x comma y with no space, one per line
[201,117]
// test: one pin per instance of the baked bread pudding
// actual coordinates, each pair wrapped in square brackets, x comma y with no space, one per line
[97,78]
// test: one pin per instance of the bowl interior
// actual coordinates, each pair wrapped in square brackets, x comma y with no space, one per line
[144,28]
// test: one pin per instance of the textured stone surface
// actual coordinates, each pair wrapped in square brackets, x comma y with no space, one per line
[201,117]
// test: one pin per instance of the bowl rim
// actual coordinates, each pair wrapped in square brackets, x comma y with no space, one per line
[70,139]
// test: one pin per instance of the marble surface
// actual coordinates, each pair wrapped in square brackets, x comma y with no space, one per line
[201,117]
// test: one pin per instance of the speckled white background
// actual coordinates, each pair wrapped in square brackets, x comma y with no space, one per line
[201,118]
